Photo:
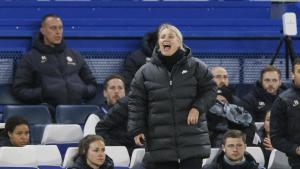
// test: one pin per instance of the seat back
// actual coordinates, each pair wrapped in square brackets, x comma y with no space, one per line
[18,157]
[259,125]
[74,114]
[90,125]
[34,114]
[137,158]
[257,154]
[47,155]
[119,155]
[62,133]
[69,156]
[213,153]
[278,160]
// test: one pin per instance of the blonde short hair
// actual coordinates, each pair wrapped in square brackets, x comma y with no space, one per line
[175,30]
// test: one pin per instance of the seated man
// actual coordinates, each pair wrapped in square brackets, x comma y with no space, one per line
[114,126]
[113,90]
[228,112]
[260,99]
[52,73]
[234,155]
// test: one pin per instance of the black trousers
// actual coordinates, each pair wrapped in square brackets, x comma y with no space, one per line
[192,163]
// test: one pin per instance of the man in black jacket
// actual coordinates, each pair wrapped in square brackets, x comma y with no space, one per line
[225,112]
[260,99]
[285,120]
[52,73]
[113,90]
[139,57]
[234,155]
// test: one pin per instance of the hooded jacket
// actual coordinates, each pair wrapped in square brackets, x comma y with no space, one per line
[80,163]
[159,103]
[55,75]
[139,57]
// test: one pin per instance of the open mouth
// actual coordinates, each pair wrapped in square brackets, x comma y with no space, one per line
[167,47]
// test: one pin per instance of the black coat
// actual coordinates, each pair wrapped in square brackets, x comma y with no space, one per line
[114,126]
[258,101]
[80,163]
[55,75]
[285,123]
[219,163]
[159,103]
[139,57]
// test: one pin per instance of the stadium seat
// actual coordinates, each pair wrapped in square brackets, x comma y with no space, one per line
[18,157]
[258,155]
[90,125]
[278,160]
[259,125]
[69,156]
[74,114]
[256,139]
[137,158]
[213,153]
[34,114]
[47,155]
[62,135]
[119,155]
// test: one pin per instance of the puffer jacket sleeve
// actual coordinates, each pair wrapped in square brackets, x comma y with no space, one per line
[25,86]
[137,104]
[207,89]
[278,128]
[89,79]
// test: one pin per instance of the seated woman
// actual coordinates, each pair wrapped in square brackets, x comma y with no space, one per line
[16,132]
[264,134]
[91,154]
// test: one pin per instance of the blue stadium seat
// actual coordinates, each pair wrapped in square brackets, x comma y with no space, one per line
[74,114]
[35,114]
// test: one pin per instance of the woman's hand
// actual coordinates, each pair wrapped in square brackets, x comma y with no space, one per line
[193,116]
[139,139]
[267,144]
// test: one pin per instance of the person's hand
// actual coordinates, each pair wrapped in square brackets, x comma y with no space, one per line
[298,150]
[222,99]
[193,116]
[267,144]
[139,139]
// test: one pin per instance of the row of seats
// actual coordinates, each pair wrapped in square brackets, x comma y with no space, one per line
[48,155]
[39,114]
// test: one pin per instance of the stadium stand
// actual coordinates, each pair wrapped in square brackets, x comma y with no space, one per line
[90,125]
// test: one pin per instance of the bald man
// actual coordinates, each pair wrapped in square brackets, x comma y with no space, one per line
[222,116]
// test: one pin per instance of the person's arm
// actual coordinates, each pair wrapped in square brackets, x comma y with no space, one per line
[207,89]
[115,117]
[279,128]
[137,105]
[25,84]
[89,79]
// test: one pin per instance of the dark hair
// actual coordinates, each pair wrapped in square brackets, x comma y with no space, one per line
[47,16]
[108,78]
[269,68]
[296,62]
[12,123]
[84,144]
[234,134]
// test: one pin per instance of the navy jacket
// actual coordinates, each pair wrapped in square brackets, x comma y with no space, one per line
[55,75]
[159,103]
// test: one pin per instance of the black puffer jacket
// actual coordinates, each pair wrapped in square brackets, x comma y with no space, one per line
[139,57]
[219,163]
[114,126]
[55,75]
[258,101]
[285,123]
[159,103]
[80,163]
